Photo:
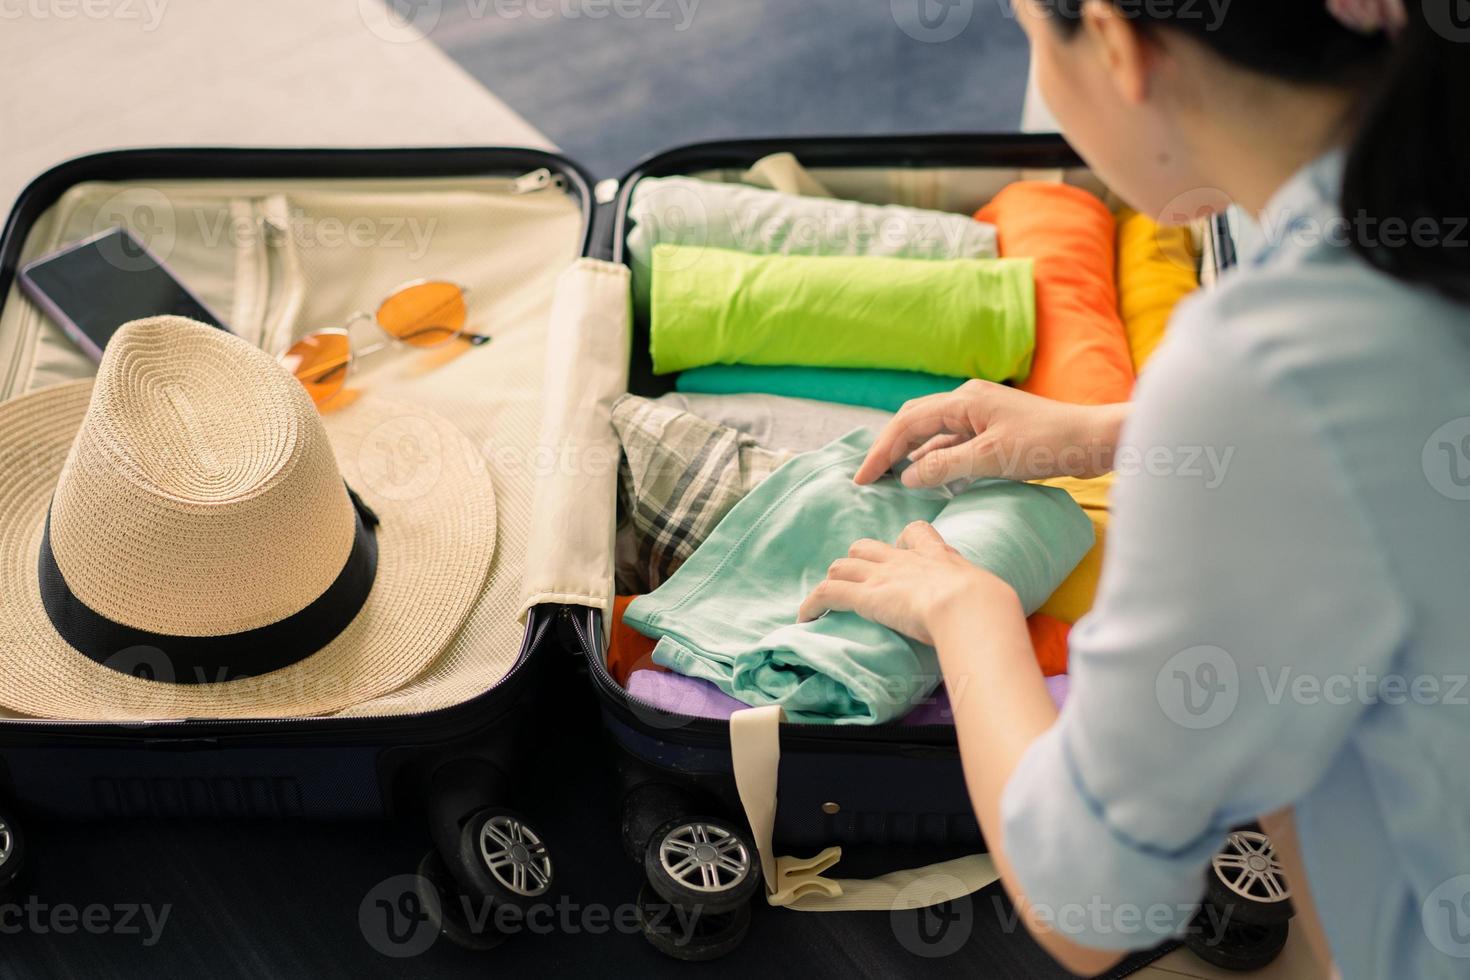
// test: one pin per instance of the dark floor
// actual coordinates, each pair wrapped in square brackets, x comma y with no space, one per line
[612,90]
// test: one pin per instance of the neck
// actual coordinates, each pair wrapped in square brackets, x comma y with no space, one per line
[1250,147]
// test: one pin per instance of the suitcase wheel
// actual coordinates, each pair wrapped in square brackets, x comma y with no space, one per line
[504,859]
[1246,881]
[646,808]
[694,937]
[1241,947]
[12,852]
[702,864]
[448,908]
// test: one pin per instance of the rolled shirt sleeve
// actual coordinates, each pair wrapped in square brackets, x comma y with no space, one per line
[1244,614]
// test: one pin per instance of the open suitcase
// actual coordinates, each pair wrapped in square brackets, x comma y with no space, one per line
[521,229]
[502,222]
[686,782]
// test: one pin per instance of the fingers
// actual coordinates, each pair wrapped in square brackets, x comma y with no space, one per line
[869,550]
[916,423]
[831,596]
[920,534]
[849,570]
[944,466]
[942,441]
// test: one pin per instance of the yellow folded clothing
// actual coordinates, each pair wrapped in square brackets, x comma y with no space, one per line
[1074,597]
[1156,269]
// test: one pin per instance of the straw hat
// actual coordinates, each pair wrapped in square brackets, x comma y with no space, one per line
[187,537]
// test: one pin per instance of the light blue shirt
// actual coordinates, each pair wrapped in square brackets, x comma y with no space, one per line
[1283,617]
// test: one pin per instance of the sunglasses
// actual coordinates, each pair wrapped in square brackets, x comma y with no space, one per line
[419,314]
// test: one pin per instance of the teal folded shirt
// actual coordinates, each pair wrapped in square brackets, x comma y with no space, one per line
[728,614]
[965,318]
[887,390]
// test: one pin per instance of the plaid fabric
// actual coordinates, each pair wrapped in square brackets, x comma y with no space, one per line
[678,478]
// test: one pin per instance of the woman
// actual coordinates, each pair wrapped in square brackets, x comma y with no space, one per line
[1285,639]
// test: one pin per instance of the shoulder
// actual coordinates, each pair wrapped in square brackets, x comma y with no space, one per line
[1316,344]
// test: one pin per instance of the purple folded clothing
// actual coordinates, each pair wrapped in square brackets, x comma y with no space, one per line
[698,698]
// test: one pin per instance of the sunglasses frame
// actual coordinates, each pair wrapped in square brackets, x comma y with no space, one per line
[353,354]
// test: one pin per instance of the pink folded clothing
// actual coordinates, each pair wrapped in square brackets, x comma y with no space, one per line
[695,697]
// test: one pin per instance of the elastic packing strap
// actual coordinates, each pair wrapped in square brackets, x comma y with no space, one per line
[800,883]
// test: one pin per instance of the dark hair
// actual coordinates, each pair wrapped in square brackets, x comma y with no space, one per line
[1410,156]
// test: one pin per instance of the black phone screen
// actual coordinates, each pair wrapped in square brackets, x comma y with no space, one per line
[108,281]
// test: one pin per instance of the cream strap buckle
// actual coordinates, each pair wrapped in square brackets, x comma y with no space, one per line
[799,883]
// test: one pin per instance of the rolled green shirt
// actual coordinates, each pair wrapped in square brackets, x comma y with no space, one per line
[728,614]
[963,318]
[711,214]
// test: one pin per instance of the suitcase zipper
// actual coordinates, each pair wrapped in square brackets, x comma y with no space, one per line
[537,180]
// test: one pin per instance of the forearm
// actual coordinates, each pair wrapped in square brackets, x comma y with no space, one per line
[1099,428]
[1001,706]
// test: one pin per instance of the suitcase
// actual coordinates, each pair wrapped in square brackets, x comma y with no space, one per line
[457,765]
[454,766]
[886,788]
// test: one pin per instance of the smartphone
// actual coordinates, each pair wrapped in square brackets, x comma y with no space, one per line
[95,286]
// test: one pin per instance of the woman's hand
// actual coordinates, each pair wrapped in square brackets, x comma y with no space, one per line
[912,588]
[983,429]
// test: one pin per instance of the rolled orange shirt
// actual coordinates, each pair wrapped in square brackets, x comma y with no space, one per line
[1082,354]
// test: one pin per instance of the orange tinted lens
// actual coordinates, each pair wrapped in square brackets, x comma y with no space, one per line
[319,362]
[426,315]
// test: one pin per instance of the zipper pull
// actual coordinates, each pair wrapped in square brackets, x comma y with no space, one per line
[536,180]
[275,232]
